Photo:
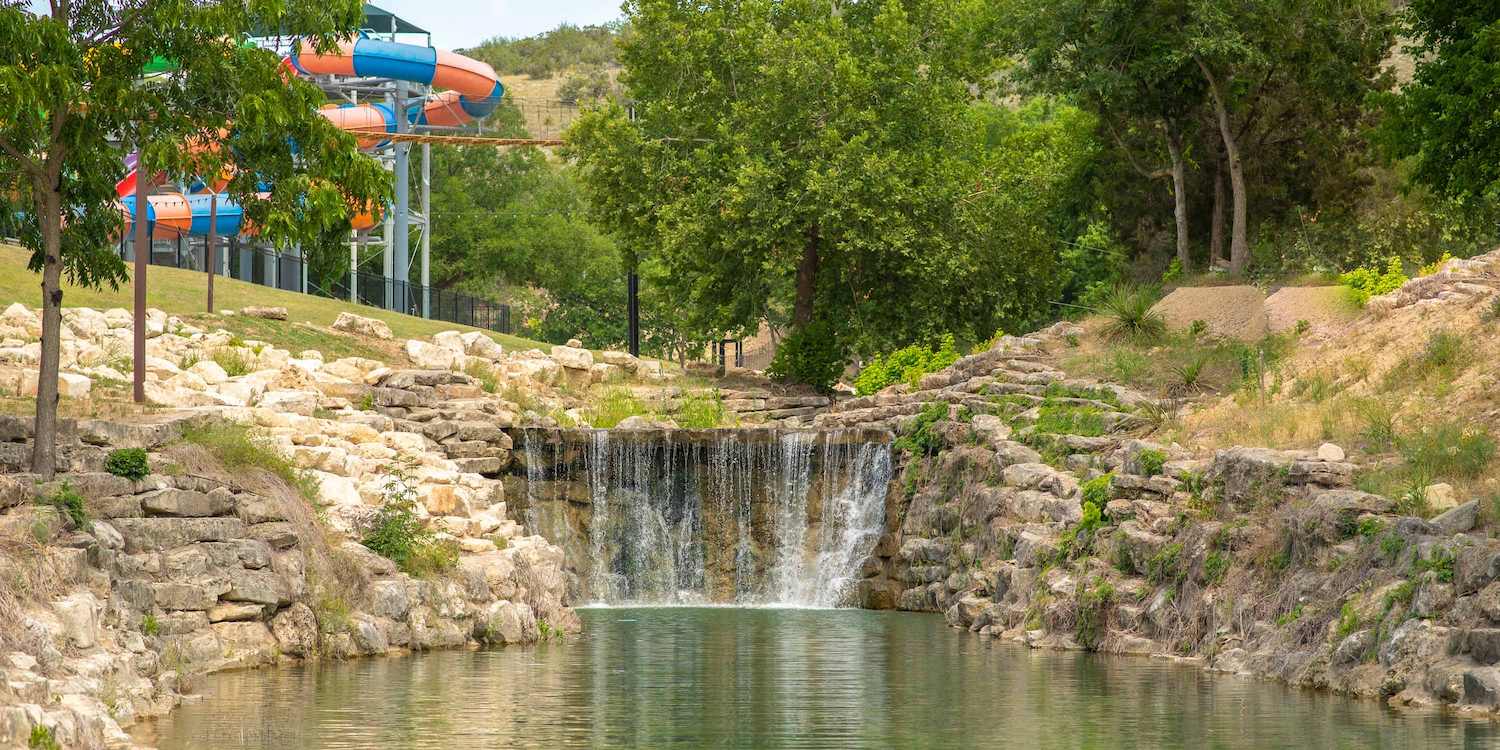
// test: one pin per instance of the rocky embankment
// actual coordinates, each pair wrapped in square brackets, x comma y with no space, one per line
[111,608]
[1024,510]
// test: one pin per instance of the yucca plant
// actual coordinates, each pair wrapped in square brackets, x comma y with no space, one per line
[1128,314]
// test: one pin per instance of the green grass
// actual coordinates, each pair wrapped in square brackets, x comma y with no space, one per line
[238,446]
[613,406]
[183,293]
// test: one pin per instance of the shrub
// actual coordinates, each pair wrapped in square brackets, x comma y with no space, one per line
[1447,450]
[1165,566]
[1435,266]
[69,503]
[1440,562]
[919,438]
[149,625]
[1364,283]
[1128,314]
[1348,621]
[130,463]
[397,533]
[1151,461]
[906,365]
[810,355]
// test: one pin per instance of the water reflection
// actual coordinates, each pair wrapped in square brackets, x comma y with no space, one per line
[779,678]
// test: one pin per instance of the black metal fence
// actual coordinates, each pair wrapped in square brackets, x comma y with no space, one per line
[257,265]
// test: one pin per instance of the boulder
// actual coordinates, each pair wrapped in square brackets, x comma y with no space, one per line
[296,630]
[573,358]
[1457,520]
[477,344]
[1441,497]
[79,614]
[266,312]
[431,356]
[257,587]
[361,326]
[450,340]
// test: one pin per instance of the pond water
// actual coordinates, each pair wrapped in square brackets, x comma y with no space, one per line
[779,678]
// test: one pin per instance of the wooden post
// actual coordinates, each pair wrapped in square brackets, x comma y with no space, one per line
[208,251]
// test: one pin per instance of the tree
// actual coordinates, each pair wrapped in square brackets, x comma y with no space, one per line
[812,159]
[1265,61]
[1444,119]
[72,103]
[1121,60]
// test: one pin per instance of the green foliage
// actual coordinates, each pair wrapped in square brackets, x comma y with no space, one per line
[1215,567]
[1369,528]
[810,355]
[1448,450]
[1364,283]
[898,211]
[1128,315]
[1093,606]
[613,406]
[1441,119]
[1290,616]
[1063,418]
[238,446]
[1099,490]
[919,439]
[1166,566]
[42,738]
[234,361]
[703,411]
[1151,461]
[905,365]
[149,625]
[1348,621]
[68,502]
[397,533]
[484,372]
[551,52]
[130,463]
[1440,562]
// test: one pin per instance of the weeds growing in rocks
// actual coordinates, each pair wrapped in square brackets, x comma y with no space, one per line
[233,361]
[42,738]
[1442,358]
[919,439]
[398,534]
[70,504]
[1063,418]
[237,446]
[484,372]
[703,411]
[614,406]
[1091,618]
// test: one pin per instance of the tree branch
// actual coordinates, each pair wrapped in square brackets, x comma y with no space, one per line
[1130,156]
[28,164]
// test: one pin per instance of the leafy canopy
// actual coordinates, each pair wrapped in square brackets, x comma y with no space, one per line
[767,132]
[73,102]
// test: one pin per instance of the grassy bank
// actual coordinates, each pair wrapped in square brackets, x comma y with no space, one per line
[183,293]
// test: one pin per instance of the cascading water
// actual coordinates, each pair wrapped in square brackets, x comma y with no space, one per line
[748,517]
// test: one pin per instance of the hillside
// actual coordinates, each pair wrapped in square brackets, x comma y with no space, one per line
[183,293]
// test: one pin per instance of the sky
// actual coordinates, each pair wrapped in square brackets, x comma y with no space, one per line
[456,24]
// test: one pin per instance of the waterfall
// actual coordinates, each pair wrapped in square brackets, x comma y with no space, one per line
[730,516]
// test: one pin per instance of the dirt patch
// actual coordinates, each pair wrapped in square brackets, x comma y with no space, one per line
[1236,312]
[1321,306]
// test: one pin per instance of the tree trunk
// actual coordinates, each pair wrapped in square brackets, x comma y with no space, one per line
[807,280]
[1216,227]
[1179,196]
[1239,246]
[44,446]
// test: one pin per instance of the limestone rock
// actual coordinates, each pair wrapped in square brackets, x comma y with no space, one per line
[1441,497]
[267,312]
[431,356]
[362,326]
[296,630]
[573,358]
[1330,452]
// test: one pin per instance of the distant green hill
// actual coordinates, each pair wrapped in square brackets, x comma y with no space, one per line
[555,51]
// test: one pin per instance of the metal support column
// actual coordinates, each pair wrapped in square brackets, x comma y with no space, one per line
[142,257]
[208,247]
[426,230]
[400,248]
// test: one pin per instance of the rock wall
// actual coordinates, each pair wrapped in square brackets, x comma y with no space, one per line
[177,575]
[1250,561]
